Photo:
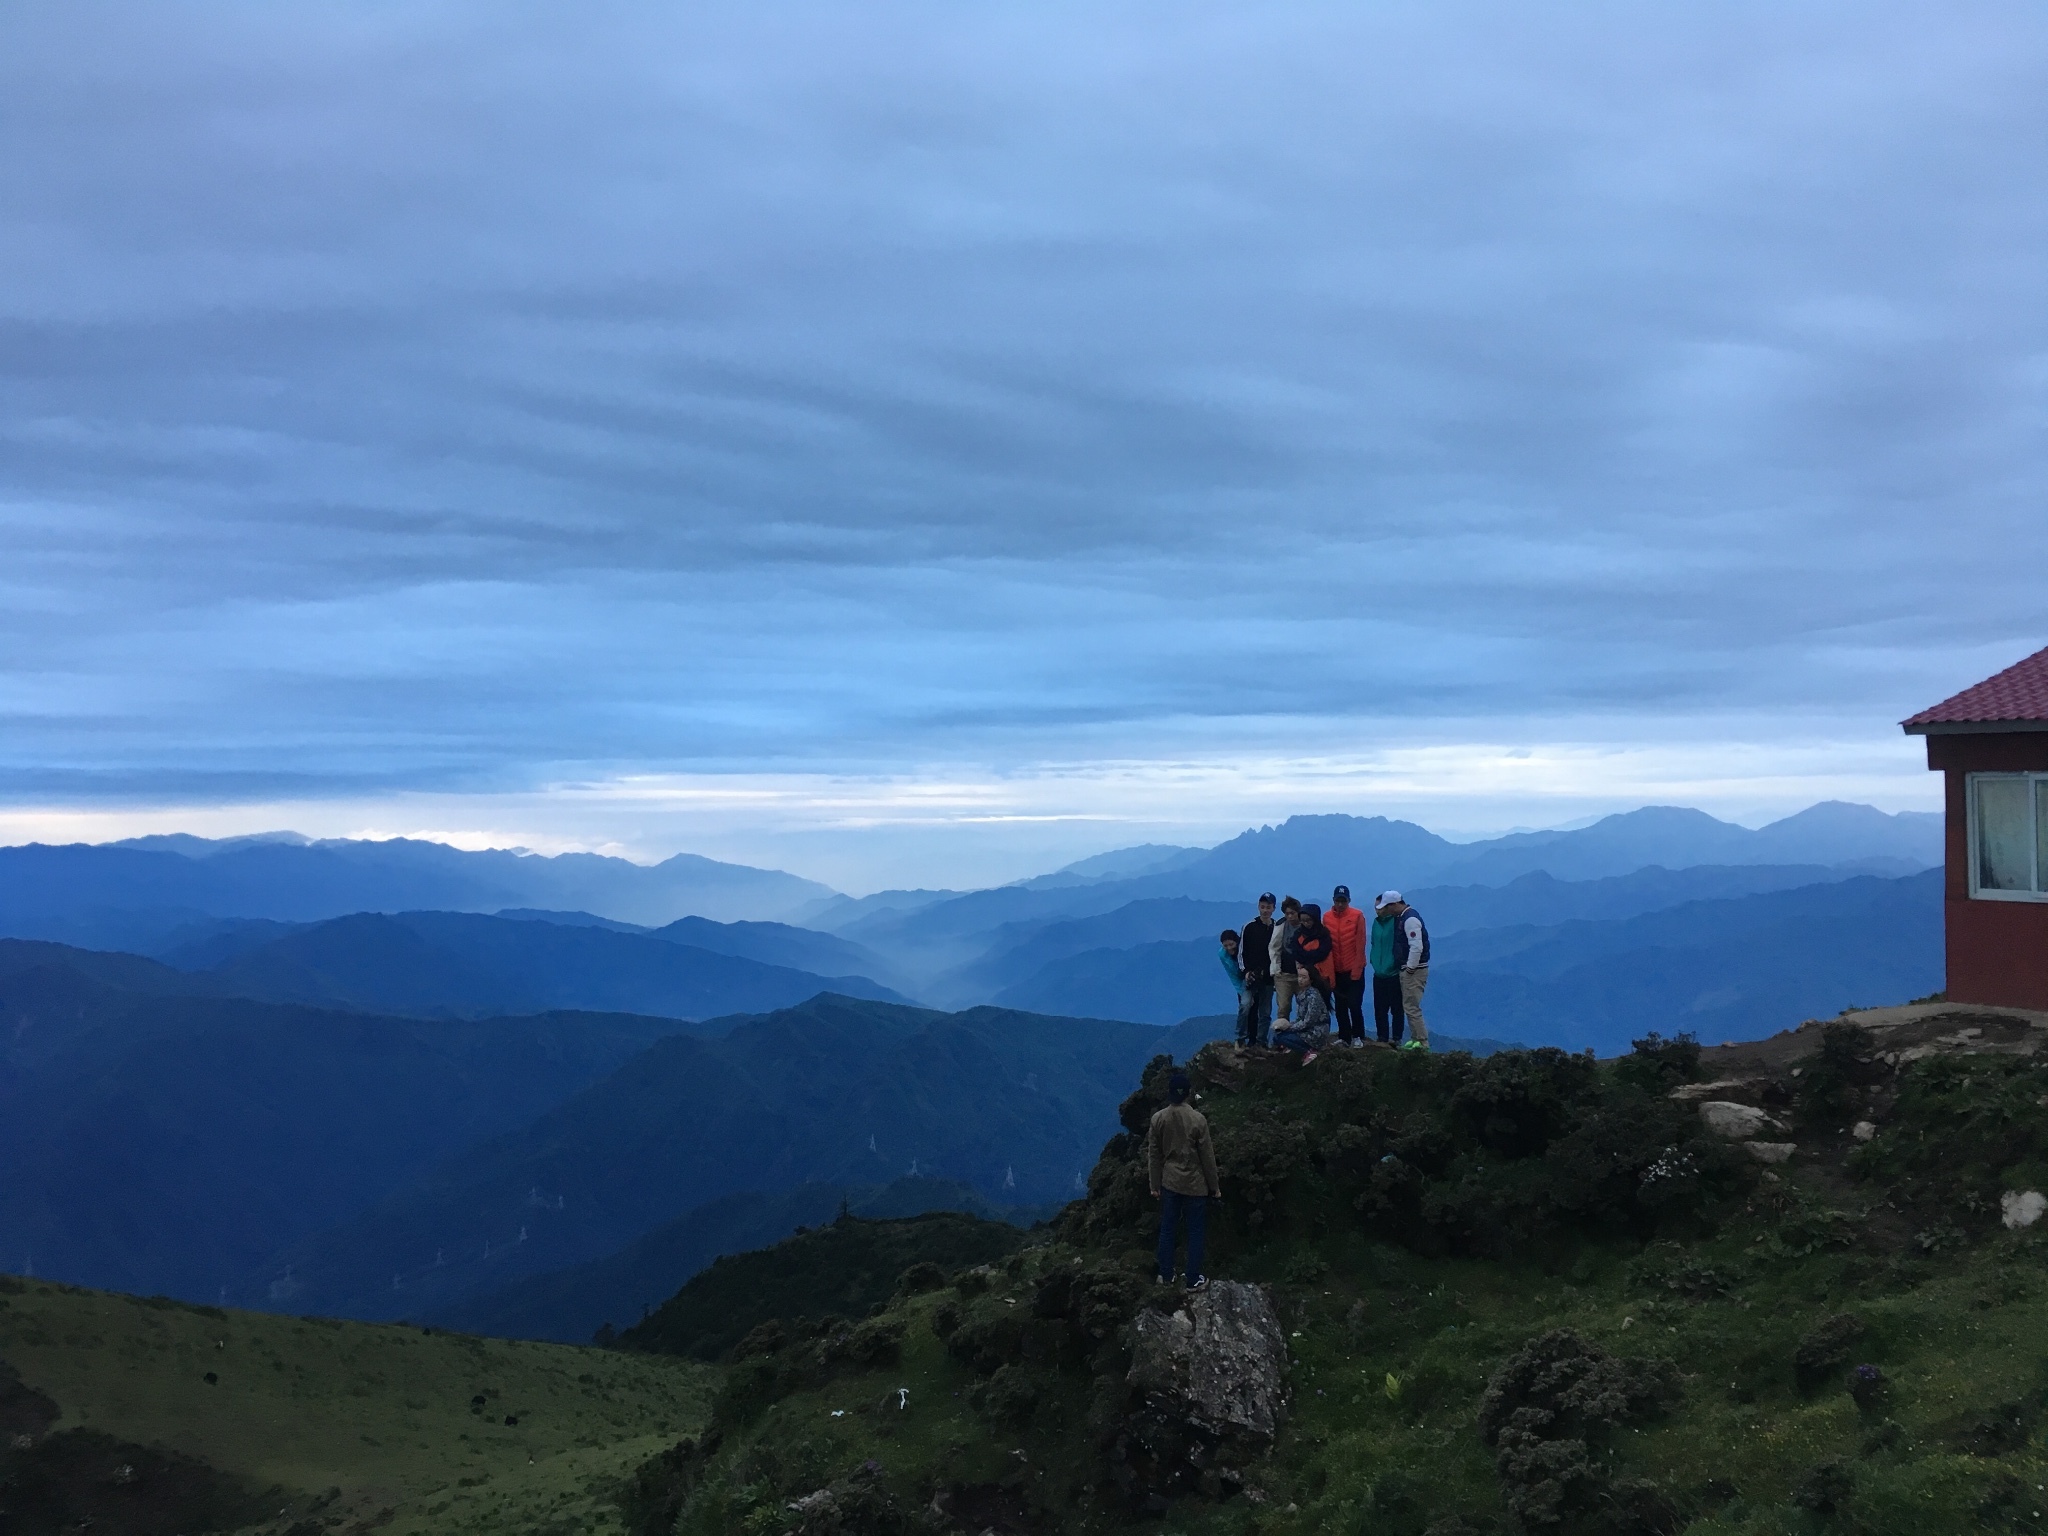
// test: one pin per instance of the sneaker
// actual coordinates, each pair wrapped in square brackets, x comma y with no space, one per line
[1199,1283]
[1415,1045]
[1311,1056]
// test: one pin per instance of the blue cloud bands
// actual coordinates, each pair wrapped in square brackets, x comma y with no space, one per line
[452,397]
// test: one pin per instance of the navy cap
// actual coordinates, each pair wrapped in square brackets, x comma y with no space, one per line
[1266,896]
[1342,891]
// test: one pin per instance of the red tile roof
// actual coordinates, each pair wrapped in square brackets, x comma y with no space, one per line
[2019,693]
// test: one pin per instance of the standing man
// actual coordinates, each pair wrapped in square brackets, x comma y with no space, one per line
[1255,954]
[1411,959]
[1347,967]
[1182,1164]
[1386,970]
[1286,975]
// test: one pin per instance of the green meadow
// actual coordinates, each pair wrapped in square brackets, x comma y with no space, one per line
[351,1425]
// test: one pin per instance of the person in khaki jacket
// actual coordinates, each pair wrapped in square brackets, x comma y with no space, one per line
[1182,1164]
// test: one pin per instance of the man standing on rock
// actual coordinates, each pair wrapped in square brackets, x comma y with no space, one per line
[1182,1164]
[1386,970]
[1411,961]
[1347,966]
[1255,953]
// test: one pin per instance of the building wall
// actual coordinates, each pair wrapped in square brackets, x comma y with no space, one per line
[1997,950]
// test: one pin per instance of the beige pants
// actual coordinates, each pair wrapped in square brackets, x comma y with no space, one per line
[1285,985]
[1412,983]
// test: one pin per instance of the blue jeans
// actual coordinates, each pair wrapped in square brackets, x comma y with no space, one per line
[1260,995]
[1173,1210]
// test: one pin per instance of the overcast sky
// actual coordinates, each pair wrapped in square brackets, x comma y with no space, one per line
[928,443]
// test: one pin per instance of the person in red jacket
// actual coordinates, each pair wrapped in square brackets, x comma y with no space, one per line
[1347,966]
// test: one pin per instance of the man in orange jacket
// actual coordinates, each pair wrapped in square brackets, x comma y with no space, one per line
[1347,961]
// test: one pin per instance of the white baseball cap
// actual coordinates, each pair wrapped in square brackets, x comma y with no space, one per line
[1385,899]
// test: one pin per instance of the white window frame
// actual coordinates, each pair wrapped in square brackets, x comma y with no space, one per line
[2033,780]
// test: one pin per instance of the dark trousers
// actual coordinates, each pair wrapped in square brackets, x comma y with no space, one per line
[1387,1017]
[1173,1210]
[1349,1008]
[1255,1013]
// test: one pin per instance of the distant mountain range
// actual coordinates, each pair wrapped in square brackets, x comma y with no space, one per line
[1728,969]
[464,964]
[158,1141]
[834,1091]
[138,895]
[398,1080]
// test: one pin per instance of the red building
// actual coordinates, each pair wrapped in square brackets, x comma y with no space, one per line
[1991,741]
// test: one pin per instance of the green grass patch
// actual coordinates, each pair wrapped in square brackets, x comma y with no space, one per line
[348,1420]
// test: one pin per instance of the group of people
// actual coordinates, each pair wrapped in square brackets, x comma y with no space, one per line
[1295,969]
[1298,969]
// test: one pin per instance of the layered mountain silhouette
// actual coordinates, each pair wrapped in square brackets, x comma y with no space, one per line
[1724,970]
[1309,855]
[137,895]
[462,963]
[160,1141]
[398,1080]
[836,1091]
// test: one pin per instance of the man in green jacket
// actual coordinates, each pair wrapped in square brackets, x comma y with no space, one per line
[1386,968]
[1182,1165]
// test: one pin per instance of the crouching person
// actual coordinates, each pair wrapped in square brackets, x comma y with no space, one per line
[1309,1033]
[1182,1164]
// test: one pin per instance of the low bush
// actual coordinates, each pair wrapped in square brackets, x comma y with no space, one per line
[1549,1411]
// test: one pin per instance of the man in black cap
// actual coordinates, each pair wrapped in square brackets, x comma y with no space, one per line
[1254,953]
[1182,1164]
[1347,966]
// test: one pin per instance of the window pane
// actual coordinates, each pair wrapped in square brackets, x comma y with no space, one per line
[2041,834]
[2005,835]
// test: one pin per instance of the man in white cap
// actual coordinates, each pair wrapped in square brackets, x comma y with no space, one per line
[1399,951]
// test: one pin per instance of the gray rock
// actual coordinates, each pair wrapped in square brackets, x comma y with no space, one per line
[1770,1151]
[1738,1122]
[1220,1362]
[1206,1391]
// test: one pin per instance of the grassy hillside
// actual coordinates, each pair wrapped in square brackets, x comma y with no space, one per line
[344,1426]
[1531,1293]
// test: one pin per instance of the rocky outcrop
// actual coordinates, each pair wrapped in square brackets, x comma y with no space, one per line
[1208,1389]
[1738,1122]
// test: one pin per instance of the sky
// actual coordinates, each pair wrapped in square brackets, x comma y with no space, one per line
[923,444]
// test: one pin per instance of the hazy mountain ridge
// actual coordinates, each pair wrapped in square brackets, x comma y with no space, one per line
[128,897]
[1009,1103]
[160,1142]
[457,963]
[1309,855]
[1764,961]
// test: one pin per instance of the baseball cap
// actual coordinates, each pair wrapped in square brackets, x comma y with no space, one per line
[1386,899]
[1266,896]
[1342,893]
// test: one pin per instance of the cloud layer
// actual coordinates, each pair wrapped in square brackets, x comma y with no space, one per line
[466,399]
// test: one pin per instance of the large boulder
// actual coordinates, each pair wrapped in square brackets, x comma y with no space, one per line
[1738,1122]
[1208,1392]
